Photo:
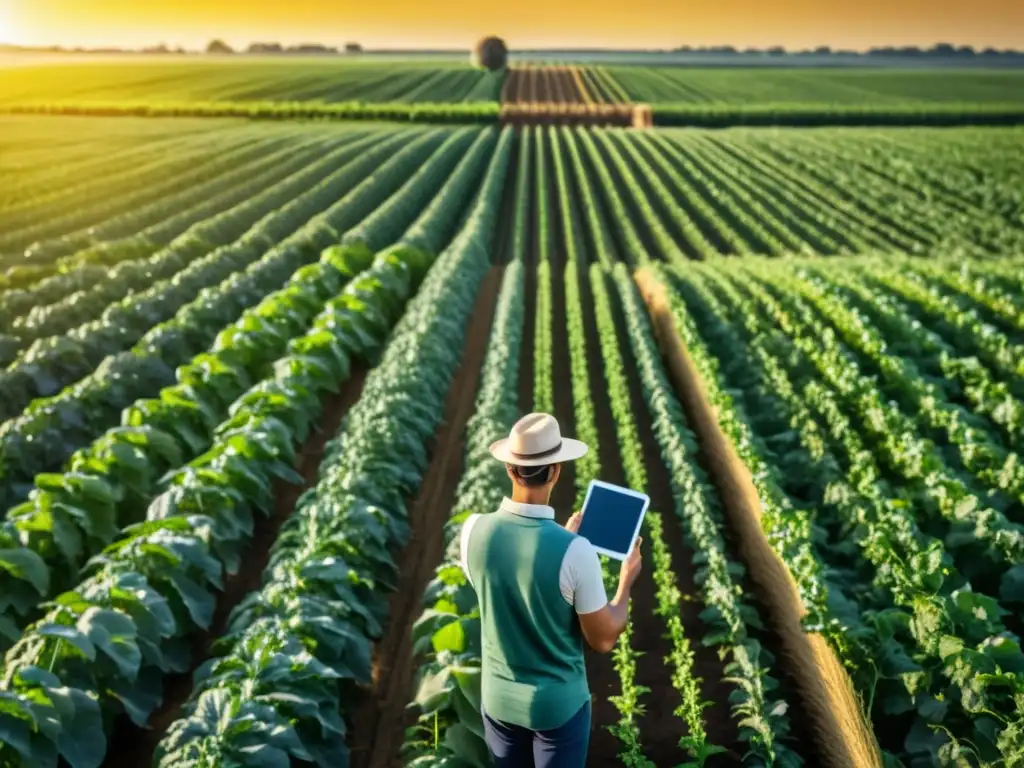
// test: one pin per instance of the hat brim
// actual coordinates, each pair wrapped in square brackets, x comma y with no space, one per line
[570,450]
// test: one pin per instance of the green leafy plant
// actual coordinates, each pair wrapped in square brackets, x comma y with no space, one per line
[322,599]
[190,411]
[914,613]
[762,716]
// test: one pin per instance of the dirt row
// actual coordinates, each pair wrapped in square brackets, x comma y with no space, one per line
[551,113]
[563,95]
[534,95]
[560,85]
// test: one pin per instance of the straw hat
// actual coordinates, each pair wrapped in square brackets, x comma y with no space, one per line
[535,440]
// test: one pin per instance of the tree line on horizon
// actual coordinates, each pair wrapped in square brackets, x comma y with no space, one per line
[220,47]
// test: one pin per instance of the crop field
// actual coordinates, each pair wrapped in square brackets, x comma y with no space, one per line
[250,79]
[805,86]
[251,370]
[438,90]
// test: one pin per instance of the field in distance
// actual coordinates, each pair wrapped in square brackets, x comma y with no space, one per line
[194,307]
[449,90]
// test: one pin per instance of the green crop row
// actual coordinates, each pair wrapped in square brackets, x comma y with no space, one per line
[819,87]
[275,78]
[42,437]
[43,232]
[695,743]
[240,353]
[676,194]
[284,682]
[484,111]
[854,390]
[104,647]
[425,112]
[141,264]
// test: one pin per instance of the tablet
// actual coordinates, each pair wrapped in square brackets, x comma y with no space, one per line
[612,516]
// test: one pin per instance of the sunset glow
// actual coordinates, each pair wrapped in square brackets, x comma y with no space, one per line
[525,23]
[8,30]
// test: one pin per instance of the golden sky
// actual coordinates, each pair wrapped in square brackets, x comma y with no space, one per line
[523,23]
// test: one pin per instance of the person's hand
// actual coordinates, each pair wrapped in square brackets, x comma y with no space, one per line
[573,523]
[631,566]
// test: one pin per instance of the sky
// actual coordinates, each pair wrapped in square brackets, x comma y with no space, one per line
[857,24]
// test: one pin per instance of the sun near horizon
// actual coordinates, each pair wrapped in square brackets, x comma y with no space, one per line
[529,24]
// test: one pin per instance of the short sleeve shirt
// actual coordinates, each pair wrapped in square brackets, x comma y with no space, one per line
[580,578]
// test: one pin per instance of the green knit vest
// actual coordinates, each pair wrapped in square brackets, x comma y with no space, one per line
[533,669]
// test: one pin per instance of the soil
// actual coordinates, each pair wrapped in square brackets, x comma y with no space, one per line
[133,746]
[510,90]
[554,96]
[826,708]
[548,84]
[378,725]
[566,113]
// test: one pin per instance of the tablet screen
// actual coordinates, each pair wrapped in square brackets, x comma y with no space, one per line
[610,519]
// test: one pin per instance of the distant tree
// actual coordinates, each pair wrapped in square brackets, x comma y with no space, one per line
[265,48]
[353,48]
[823,50]
[492,53]
[311,48]
[906,51]
[776,50]
[219,47]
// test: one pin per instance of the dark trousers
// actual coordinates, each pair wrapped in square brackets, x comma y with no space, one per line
[512,746]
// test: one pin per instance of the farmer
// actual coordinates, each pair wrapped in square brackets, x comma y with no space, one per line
[541,594]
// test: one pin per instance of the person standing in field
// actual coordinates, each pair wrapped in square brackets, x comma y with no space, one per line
[541,595]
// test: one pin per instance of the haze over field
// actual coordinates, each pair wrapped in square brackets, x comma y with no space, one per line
[526,24]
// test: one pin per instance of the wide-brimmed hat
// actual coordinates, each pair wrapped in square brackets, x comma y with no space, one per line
[535,440]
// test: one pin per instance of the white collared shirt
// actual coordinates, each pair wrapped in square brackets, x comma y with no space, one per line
[579,579]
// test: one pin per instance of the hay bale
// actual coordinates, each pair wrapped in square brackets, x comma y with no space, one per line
[491,52]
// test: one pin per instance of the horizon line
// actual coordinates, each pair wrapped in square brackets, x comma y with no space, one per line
[682,48]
